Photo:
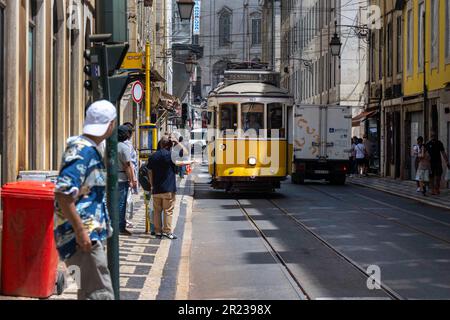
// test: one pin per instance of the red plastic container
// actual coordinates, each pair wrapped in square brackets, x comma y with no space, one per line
[29,256]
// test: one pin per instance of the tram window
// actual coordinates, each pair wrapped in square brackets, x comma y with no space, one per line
[228,119]
[252,118]
[275,120]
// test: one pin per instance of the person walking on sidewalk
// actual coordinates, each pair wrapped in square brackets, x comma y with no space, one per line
[82,223]
[423,168]
[415,155]
[135,164]
[361,155]
[436,150]
[126,177]
[162,175]
[352,156]
[368,146]
[181,169]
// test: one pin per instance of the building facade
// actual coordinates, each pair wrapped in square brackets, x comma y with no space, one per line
[42,94]
[271,29]
[415,36]
[230,31]
[309,70]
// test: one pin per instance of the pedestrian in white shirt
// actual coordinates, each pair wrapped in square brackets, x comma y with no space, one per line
[361,154]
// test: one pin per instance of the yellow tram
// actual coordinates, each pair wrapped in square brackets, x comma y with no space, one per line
[249,140]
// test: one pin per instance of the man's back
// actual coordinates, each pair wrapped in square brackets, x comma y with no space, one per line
[163,172]
[434,148]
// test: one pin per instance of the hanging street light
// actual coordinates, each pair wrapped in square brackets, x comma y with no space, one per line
[189,64]
[335,45]
[185,8]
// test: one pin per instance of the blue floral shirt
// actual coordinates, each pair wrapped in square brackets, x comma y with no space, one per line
[83,176]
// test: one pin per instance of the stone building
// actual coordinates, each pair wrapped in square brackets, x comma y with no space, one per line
[230,31]
[42,99]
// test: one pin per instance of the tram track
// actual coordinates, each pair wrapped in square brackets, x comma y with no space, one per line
[278,256]
[390,219]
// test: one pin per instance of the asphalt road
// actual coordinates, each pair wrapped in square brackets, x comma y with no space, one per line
[319,242]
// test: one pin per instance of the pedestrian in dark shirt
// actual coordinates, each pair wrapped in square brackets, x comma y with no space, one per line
[436,151]
[163,169]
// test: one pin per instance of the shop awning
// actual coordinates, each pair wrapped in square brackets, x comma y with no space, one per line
[356,121]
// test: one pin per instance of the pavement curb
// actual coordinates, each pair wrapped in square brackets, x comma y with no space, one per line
[431,203]
[183,276]
[153,282]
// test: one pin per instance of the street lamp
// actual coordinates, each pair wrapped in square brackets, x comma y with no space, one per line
[335,45]
[185,8]
[189,64]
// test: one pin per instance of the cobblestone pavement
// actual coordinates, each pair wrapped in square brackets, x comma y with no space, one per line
[403,188]
[142,257]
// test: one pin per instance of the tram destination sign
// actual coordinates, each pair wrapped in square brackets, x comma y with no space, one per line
[239,76]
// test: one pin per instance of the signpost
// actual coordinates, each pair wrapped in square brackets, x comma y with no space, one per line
[196,22]
[137,92]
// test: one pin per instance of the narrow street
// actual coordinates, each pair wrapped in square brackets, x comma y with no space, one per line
[316,241]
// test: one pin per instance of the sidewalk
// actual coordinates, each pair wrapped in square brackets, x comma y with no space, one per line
[403,188]
[142,257]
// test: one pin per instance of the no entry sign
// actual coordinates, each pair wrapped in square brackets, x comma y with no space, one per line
[137,92]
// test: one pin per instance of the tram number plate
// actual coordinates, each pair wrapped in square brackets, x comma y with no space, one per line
[321,172]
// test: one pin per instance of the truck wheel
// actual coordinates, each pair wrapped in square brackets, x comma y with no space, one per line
[338,180]
[298,178]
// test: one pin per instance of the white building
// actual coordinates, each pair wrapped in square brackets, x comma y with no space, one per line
[230,31]
[309,70]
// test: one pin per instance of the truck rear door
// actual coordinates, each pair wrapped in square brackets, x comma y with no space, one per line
[338,135]
[307,137]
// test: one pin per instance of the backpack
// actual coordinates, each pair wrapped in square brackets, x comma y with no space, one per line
[143,178]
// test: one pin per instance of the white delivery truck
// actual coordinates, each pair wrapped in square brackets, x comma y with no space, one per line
[322,142]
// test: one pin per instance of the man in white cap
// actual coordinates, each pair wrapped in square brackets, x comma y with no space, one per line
[82,224]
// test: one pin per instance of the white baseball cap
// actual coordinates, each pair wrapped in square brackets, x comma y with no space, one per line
[99,115]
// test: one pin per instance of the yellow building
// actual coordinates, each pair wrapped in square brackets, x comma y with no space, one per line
[427,47]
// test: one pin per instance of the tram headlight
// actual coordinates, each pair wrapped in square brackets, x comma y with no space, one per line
[252,161]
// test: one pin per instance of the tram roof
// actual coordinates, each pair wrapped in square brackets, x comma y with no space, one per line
[250,88]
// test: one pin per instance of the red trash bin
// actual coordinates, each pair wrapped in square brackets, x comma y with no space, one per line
[29,256]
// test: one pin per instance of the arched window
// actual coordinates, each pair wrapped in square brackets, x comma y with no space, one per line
[225,27]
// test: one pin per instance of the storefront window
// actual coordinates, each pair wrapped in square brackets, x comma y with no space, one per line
[228,119]
[252,118]
[275,127]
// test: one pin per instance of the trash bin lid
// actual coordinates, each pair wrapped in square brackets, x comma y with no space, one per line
[29,189]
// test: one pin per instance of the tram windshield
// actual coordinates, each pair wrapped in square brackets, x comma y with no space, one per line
[275,128]
[252,118]
[228,119]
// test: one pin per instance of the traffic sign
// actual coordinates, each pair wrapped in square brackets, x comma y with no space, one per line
[138,92]
[132,61]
